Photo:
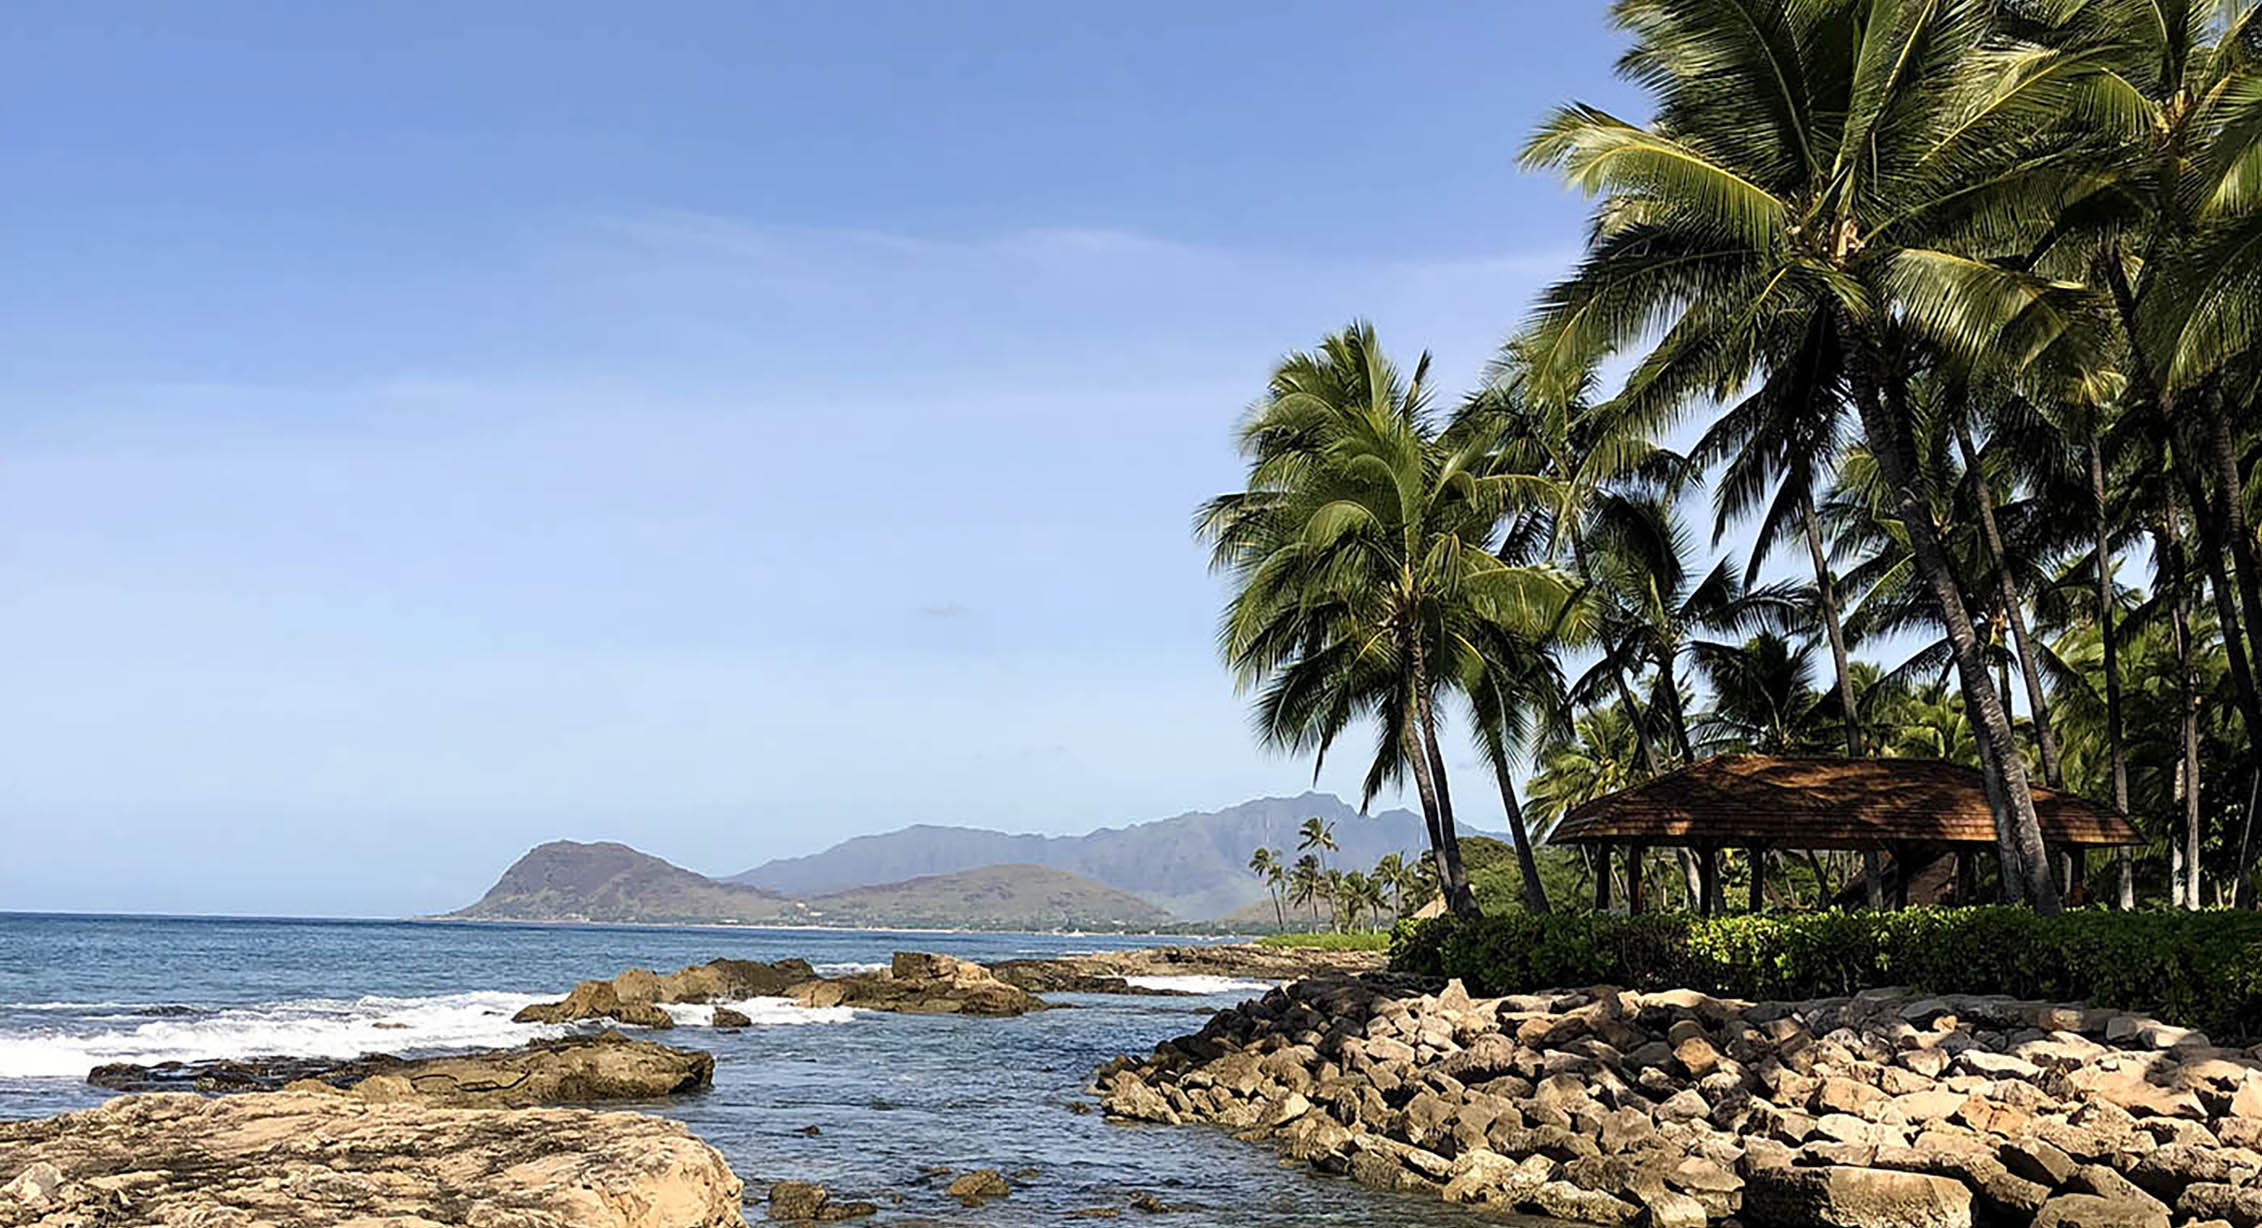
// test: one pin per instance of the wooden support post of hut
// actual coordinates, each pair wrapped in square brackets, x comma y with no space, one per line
[1931,817]
[1634,855]
[1601,878]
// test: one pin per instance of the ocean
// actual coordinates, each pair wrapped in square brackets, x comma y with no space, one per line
[889,1094]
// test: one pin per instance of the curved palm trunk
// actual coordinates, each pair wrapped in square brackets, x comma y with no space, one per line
[2014,612]
[1827,588]
[2025,864]
[1527,864]
[2124,860]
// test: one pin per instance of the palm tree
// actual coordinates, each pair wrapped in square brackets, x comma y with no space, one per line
[1317,836]
[1362,581]
[1391,875]
[1786,435]
[1763,697]
[1843,160]
[1265,864]
[1305,883]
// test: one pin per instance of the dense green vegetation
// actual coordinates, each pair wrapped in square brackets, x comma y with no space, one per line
[2200,969]
[1324,940]
[1964,297]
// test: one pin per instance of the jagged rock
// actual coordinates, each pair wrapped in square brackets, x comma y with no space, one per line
[921,983]
[971,1188]
[796,1200]
[725,1017]
[298,1160]
[596,1000]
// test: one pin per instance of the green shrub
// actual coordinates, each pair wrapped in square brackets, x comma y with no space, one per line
[2200,969]
[1374,940]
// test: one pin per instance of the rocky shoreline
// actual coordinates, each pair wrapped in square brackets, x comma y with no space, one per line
[323,1160]
[1884,1110]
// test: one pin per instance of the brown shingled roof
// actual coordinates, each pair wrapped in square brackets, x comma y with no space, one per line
[1738,800]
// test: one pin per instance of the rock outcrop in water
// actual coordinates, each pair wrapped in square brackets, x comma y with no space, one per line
[1606,1106]
[575,1070]
[1108,971]
[293,1160]
[914,983]
[634,997]
[921,984]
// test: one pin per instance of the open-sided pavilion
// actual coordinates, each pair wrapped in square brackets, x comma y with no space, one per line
[1913,810]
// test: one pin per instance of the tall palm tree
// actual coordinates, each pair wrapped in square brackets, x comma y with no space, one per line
[1763,696]
[1305,883]
[1857,160]
[1265,864]
[1785,436]
[1317,836]
[1362,576]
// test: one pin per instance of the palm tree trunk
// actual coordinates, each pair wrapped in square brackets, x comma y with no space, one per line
[1671,687]
[1449,831]
[2183,853]
[2230,491]
[2014,611]
[1420,743]
[2025,864]
[1527,865]
[2115,746]
[1827,589]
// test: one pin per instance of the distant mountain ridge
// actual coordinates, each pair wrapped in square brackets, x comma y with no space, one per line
[565,880]
[1194,866]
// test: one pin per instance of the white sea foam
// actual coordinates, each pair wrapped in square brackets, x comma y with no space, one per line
[846,969]
[315,1027]
[1197,984]
[761,1012]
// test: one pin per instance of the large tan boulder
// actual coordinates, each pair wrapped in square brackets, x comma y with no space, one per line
[1841,1197]
[597,1000]
[294,1160]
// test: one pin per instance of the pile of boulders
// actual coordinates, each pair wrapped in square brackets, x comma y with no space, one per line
[914,983]
[634,997]
[1607,1106]
[919,983]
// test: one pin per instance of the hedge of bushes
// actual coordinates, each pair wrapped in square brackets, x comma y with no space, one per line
[2200,969]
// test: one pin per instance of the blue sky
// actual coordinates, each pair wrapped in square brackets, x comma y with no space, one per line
[727,428]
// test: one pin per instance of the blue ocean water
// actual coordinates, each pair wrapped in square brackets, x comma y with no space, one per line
[889,1094]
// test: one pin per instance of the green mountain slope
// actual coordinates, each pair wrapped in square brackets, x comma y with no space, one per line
[566,880]
[992,897]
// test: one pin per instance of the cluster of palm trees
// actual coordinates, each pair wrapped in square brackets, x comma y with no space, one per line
[1397,883]
[1965,297]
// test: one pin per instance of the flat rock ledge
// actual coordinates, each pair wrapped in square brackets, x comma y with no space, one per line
[1675,1109]
[574,1070]
[913,983]
[294,1159]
